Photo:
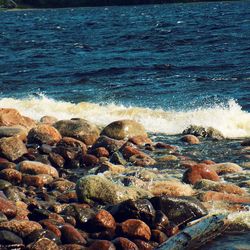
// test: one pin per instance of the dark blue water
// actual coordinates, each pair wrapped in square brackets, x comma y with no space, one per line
[170,56]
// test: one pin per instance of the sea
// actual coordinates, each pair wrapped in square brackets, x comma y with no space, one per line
[167,66]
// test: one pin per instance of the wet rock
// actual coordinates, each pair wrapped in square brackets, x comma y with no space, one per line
[5,165]
[42,234]
[100,189]
[22,211]
[204,132]
[158,236]
[130,150]
[16,131]
[103,220]
[226,168]
[171,187]
[90,160]
[79,129]
[100,152]
[102,244]
[56,160]
[73,143]
[71,235]
[44,134]
[190,139]
[124,129]
[14,193]
[108,234]
[67,197]
[140,140]
[8,238]
[124,244]
[8,208]
[198,172]
[162,145]
[11,175]
[219,187]
[48,119]
[34,168]
[108,166]
[218,196]
[141,209]
[72,247]
[20,227]
[4,184]
[11,117]
[39,180]
[167,158]
[136,229]
[49,225]
[63,185]
[117,158]
[161,221]
[3,217]
[143,245]
[142,160]
[44,243]
[179,209]
[12,148]
[112,145]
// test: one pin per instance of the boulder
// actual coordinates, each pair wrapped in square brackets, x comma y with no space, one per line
[12,148]
[72,143]
[204,132]
[98,188]
[38,180]
[124,244]
[179,209]
[198,172]
[35,168]
[20,227]
[9,238]
[108,166]
[7,207]
[124,129]
[112,145]
[17,131]
[102,245]
[79,129]
[44,243]
[70,235]
[140,140]
[48,119]
[171,187]
[11,175]
[190,139]
[11,117]
[136,229]
[44,134]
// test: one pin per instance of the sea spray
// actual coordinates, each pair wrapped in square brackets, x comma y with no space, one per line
[229,119]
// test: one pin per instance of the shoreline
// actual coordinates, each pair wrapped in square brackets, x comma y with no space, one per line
[89,187]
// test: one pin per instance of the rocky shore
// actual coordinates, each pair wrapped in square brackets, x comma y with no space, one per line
[70,184]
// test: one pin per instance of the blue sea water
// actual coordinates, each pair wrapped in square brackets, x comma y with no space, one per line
[175,56]
[167,66]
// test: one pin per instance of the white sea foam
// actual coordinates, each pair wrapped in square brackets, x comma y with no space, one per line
[231,120]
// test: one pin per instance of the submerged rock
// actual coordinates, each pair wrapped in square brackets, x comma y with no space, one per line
[179,209]
[124,129]
[79,129]
[98,188]
[226,168]
[190,139]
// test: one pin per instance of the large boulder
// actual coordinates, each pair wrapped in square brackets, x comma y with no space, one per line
[11,117]
[44,134]
[124,129]
[98,188]
[79,129]
[12,148]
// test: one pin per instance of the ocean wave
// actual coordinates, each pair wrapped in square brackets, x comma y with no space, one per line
[229,119]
